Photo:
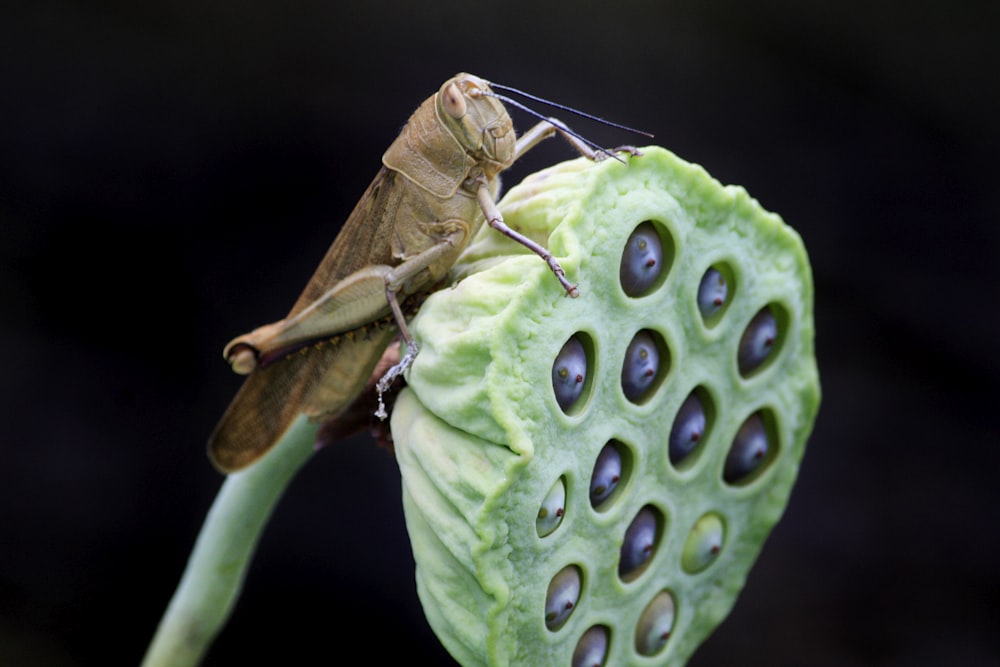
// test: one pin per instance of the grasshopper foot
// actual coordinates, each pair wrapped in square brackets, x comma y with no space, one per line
[391,374]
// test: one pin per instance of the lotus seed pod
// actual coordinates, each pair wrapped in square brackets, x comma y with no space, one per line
[655,624]
[592,648]
[550,514]
[484,429]
[641,365]
[607,474]
[642,261]
[703,544]
[639,544]
[561,598]
[757,342]
[569,373]
[688,428]
[712,293]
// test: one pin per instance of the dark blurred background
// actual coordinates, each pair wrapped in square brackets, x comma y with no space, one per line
[172,172]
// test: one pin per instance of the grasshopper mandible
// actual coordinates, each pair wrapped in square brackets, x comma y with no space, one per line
[438,182]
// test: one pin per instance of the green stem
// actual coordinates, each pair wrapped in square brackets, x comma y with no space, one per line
[214,575]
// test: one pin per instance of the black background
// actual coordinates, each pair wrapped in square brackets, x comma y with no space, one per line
[171,173]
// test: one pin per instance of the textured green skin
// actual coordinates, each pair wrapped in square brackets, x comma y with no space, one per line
[480,438]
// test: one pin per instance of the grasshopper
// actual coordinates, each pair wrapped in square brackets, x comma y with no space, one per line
[439,180]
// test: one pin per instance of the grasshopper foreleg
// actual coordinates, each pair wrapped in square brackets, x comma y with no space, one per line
[495,220]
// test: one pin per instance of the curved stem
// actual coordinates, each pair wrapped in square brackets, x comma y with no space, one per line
[214,575]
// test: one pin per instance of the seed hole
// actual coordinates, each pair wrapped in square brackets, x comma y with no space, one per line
[592,648]
[704,543]
[690,427]
[639,546]
[655,624]
[646,363]
[562,597]
[611,471]
[646,259]
[753,449]
[761,339]
[715,293]
[550,514]
[570,372]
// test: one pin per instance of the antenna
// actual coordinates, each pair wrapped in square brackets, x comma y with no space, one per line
[561,126]
[556,105]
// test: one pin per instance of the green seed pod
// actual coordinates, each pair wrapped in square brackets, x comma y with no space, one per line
[483,429]
[592,648]
[703,544]
[561,597]
[655,624]
[550,514]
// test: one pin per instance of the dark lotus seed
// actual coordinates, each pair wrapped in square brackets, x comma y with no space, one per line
[562,596]
[592,648]
[688,428]
[757,342]
[639,544]
[655,624]
[712,293]
[550,514]
[642,260]
[642,361]
[703,543]
[569,372]
[748,451]
[607,474]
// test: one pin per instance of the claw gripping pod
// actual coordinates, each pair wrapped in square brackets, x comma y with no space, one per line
[588,481]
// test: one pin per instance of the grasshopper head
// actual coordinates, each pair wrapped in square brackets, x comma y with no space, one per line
[478,120]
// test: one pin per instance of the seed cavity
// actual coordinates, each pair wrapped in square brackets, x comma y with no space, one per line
[713,292]
[655,624]
[569,373]
[758,341]
[592,648]
[639,545]
[562,597]
[609,474]
[643,260]
[748,452]
[550,514]
[688,429]
[646,362]
[703,544]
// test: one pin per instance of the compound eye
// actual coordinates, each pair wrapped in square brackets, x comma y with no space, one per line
[453,101]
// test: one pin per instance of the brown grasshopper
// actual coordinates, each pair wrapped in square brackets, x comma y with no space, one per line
[405,233]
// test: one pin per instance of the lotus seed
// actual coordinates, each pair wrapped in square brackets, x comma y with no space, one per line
[748,451]
[757,342]
[642,361]
[712,293]
[562,596]
[688,428]
[642,260]
[607,474]
[569,373]
[703,544]
[655,624]
[639,544]
[592,648]
[550,514]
